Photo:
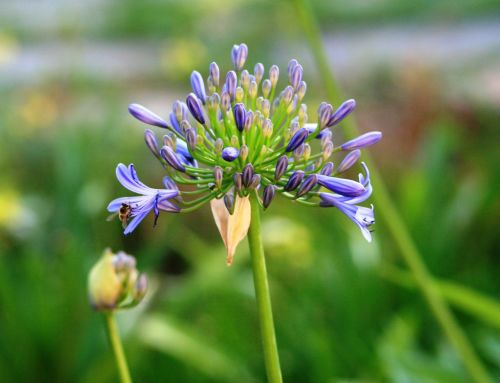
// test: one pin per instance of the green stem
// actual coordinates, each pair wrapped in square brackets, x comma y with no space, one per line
[116,345]
[263,296]
[389,213]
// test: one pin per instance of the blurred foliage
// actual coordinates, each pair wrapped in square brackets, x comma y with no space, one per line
[344,310]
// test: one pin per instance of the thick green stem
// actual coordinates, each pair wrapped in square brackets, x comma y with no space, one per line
[389,213]
[262,295]
[116,345]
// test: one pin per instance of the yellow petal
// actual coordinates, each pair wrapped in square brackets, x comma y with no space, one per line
[233,228]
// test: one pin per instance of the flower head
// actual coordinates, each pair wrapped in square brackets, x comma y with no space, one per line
[238,134]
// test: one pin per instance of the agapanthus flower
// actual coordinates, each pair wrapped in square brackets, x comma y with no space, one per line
[239,134]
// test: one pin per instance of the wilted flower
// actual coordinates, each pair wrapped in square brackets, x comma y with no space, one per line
[114,282]
[239,134]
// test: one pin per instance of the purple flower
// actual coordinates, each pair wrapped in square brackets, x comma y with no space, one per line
[362,141]
[145,115]
[141,205]
[360,215]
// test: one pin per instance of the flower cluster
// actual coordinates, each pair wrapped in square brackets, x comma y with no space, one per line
[238,134]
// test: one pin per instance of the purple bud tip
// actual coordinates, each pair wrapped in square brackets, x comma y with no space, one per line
[341,186]
[362,141]
[230,154]
[268,195]
[214,73]
[172,159]
[294,180]
[239,116]
[239,55]
[194,106]
[349,161]
[198,86]
[281,167]
[247,175]
[307,185]
[342,112]
[145,115]
[327,169]
[297,139]
[231,81]
[151,142]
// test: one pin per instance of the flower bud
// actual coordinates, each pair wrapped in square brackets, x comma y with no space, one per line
[247,174]
[214,73]
[324,113]
[307,185]
[218,145]
[198,86]
[231,81]
[342,112]
[255,182]
[362,141]
[294,180]
[238,182]
[244,152]
[239,116]
[245,79]
[296,76]
[239,55]
[239,94]
[258,72]
[266,87]
[218,175]
[298,139]
[230,154]
[349,160]
[302,89]
[225,101]
[327,150]
[327,169]
[151,142]
[191,138]
[145,115]
[229,202]
[274,73]
[268,195]
[168,154]
[194,106]
[113,282]
[281,167]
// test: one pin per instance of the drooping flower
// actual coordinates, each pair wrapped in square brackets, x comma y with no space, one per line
[137,208]
[240,134]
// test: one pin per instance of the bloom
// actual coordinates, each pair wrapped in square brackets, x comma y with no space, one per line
[239,134]
[138,207]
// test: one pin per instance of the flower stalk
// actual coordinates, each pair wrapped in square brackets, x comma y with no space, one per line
[262,295]
[116,345]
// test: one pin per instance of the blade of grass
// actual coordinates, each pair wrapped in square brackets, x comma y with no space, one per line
[482,307]
[388,211]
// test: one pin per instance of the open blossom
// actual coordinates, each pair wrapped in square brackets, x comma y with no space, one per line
[238,134]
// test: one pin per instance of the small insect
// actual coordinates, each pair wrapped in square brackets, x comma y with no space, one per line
[123,214]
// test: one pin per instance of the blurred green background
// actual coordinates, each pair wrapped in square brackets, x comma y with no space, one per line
[425,73]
